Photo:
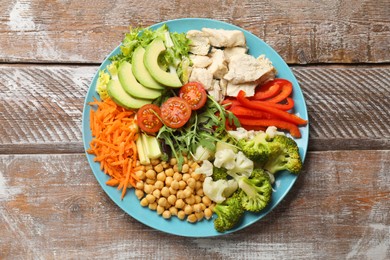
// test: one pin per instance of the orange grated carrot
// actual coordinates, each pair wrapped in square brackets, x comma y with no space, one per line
[114,131]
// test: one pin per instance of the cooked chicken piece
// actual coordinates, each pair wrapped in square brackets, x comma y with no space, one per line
[215,91]
[200,61]
[229,52]
[200,43]
[271,74]
[233,89]
[245,68]
[203,76]
[225,38]
[218,66]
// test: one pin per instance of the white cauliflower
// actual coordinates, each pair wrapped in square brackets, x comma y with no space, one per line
[225,158]
[242,166]
[206,168]
[202,153]
[219,190]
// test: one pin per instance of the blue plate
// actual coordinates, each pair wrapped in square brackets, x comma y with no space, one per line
[284,180]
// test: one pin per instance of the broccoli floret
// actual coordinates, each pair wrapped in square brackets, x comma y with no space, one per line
[256,149]
[229,213]
[219,173]
[256,190]
[284,155]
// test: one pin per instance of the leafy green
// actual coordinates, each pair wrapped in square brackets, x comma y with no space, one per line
[205,128]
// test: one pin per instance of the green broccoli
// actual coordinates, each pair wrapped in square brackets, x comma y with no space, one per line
[229,213]
[284,155]
[256,149]
[219,173]
[256,191]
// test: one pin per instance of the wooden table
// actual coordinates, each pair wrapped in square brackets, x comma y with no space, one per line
[51,205]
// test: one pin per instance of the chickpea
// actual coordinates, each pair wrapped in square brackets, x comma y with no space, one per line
[150,198]
[148,188]
[158,168]
[187,192]
[140,174]
[173,211]
[198,185]
[169,172]
[198,199]
[154,162]
[162,202]
[179,203]
[182,185]
[151,174]
[168,181]
[159,185]
[185,168]
[186,176]
[161,176]
[172,199]
[172,191]
[195,166]
[139,185]
[180,194]
[173,161]
[160,209]
[208,213]
[148,167]
[175,168]
[139,194]
[191,182]
[166,214]
[165,192]
[150,181]
[192,218]
[199,215]
[197,208]
[206,201]
[188,209]
[153,206]
[175,185]
[190,200]
[177,176]
[164,164]
[181,215]
[200,192]
[196,176]
[156,193]
[144,202]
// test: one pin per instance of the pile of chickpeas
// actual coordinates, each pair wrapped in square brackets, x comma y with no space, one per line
[170,192]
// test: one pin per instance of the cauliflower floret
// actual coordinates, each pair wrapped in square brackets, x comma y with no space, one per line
[225,158]
[242,166]
[202,153]
[219,190]
[206,168]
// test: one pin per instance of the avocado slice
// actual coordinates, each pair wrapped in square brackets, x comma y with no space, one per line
[131,85]
[119,95]
[152,51]
[140,72]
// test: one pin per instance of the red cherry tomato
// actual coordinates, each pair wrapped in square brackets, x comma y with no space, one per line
[148,118]
[175,112]
[194,94]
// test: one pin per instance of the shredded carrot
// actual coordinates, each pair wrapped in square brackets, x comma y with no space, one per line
[114,132]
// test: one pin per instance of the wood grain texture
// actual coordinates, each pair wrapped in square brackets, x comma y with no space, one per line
[338,209]
[41,107]
[303,32]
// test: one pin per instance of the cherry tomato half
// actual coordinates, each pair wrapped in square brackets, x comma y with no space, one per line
[194,93]
[175,112]
[148,118]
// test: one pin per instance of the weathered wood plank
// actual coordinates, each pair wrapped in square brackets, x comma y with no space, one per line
[41,107]
[302,32]
[338,209]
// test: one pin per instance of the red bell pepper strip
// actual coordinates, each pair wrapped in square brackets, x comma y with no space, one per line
[241,111]
[283,115]
[286,91]
[287,106]
[292,128]
[268,90]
